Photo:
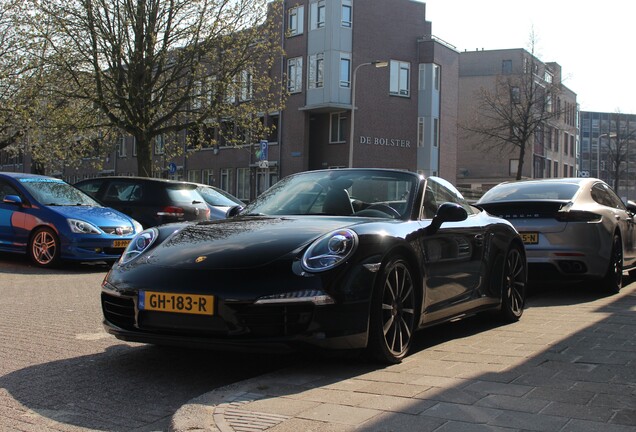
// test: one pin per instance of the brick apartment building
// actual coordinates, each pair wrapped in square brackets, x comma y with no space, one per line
[406,114]
[553,153]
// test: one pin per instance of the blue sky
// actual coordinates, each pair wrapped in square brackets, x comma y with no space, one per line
[594,42]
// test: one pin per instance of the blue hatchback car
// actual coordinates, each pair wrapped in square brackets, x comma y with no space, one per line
[51,220]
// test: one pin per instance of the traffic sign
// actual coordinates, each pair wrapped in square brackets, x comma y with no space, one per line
[172,167]
[263,154]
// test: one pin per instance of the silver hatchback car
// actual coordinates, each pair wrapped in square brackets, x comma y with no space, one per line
[572,227]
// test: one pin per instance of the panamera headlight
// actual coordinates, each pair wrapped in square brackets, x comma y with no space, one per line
[82,227]
[139,244]
[330,250]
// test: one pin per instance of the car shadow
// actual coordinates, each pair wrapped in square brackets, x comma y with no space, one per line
[21,264]
[128,387]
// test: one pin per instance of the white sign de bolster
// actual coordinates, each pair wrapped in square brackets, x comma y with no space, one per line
[387,142]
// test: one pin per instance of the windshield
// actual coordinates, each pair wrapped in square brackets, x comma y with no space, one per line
[530,192]
[364,193]
[54,192]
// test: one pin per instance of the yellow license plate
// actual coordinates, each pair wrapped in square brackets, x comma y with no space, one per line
[120,243]
[530,237]
[179,303]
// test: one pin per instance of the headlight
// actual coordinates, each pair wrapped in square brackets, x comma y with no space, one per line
[138,245]
[81,227]
[137,226]
[330,250]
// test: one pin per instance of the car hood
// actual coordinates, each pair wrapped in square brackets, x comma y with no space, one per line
[243,242]
[99,216]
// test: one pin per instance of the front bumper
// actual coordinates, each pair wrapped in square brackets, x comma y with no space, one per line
[240,326]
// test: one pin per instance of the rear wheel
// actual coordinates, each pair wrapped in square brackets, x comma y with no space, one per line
[393,313]
[613,280]
[513,295]
[44,247]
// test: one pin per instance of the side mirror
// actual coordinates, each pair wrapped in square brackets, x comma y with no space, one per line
[631,207]
[12,199]
[447,212]
[233,211]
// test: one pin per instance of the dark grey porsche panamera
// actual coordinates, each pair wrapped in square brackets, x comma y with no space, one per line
[341,259]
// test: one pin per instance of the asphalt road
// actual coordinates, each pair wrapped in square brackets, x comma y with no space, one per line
[60,371]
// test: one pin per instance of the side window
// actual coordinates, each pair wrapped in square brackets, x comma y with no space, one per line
[123,192]
[600,195]
[90,188]
[7,189]
[439,191]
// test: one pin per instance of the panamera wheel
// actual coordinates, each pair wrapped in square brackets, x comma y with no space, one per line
[393,313]
[613,280]
[44,247]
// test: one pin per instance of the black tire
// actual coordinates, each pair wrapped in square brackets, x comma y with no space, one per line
[44,247]
[393,313]
[515,279]
[613,279]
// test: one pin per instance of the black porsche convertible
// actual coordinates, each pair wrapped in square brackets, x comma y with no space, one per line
[340,259]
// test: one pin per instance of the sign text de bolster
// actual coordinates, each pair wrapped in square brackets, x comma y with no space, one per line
[388,142]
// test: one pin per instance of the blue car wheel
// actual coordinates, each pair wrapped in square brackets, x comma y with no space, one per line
[44,247]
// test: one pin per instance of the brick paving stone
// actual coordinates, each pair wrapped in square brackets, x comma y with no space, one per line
[584,412]
[487,388]
[530,422]
[404,405]
[339,414]
[464,413]
[576,425]
[396,422]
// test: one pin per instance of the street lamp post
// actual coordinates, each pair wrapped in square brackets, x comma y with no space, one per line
[378,64]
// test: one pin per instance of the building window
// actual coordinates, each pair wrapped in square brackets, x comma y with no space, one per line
[548,77]
[513,167]
[207,176]
[317,14]
[506,67]
[295,20]
[400,72]
[346,14]
[345,70]
[197,95]
[421,128]
[295,74]
[134,146]
[246,85]
[243,183]
[316,65]
[422,77]
[225,180]
[337,127]
[194,176]
[121,146]
[556,169]
[548,169]
[435,132]
[515,95]
[160,145]
[436,76]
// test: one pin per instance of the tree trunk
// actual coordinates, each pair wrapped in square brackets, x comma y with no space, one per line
[522,154]
[144,156]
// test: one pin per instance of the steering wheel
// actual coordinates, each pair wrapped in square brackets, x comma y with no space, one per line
[384,208]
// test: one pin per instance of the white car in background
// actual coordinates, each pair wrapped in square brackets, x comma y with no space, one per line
[575,228]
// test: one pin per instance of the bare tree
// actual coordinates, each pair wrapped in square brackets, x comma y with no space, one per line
[621,134]
[518,110]
[152,68]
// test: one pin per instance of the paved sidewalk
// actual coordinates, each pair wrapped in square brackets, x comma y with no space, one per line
[568,365]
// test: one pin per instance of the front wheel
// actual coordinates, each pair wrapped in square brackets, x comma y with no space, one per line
[513,295]
[393,313]
[613,280]
[44,247]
